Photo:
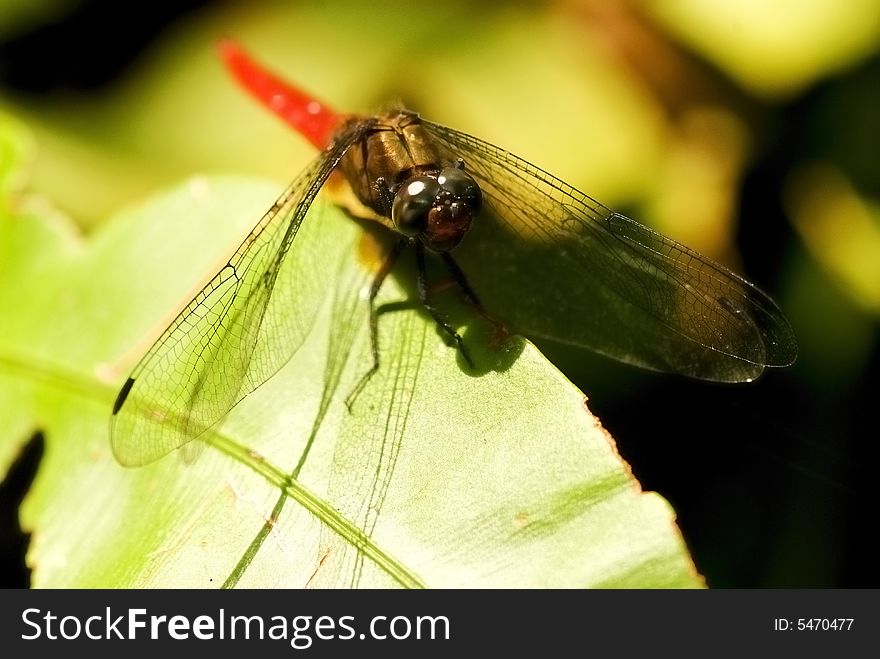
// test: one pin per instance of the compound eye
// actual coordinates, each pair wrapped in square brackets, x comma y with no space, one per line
[462,186]
[413,200]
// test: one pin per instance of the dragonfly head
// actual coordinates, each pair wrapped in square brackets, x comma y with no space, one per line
[437,209]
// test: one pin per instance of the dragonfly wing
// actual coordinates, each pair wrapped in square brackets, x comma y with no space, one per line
[240,329]
[554,263]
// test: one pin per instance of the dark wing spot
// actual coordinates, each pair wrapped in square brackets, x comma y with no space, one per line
[123,394]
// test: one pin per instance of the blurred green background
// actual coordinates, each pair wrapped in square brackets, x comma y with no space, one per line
[748,130]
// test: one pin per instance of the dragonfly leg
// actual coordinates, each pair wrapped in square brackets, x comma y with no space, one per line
[424,296]
[384,195]
[500,332]
[381,274]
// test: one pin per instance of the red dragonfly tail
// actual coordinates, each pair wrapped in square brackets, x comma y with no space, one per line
[310,117]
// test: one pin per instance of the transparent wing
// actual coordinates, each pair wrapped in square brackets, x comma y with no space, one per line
[554,263]
[242,327]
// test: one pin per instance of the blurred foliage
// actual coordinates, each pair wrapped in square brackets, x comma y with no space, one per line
[748,130]
[17,16]
[771,47]
[840,229]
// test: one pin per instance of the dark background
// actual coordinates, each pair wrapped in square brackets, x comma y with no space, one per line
[770,480]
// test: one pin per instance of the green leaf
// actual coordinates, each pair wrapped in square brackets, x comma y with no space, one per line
[436,478]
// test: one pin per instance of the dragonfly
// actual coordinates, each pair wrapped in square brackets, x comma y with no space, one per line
[525,247]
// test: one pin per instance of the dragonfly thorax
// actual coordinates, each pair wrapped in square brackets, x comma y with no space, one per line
[395,170]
